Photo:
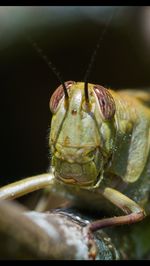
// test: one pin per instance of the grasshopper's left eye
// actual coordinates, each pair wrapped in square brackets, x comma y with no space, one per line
[106,101]
[58,95]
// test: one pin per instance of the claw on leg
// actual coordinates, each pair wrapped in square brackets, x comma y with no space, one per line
[88,234]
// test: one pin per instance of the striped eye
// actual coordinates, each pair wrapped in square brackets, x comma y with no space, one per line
[57,96]
[106,101]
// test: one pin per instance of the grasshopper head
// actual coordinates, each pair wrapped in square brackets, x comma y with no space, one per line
[82,134]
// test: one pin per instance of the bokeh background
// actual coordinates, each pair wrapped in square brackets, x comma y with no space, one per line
[68,36]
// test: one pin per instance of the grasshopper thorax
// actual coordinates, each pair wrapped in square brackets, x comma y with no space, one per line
[80,136]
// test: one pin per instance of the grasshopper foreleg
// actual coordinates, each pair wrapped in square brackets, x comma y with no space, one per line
[133,211]
[26,185]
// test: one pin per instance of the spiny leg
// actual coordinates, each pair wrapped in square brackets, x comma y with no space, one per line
[134,213]
[27,185]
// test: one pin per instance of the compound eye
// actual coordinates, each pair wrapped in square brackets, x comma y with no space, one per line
[106,101]
[58,95]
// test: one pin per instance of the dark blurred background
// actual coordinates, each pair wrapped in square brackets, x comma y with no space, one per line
[68,35]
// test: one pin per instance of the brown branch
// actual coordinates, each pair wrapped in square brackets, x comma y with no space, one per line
[51,235]
[60,234]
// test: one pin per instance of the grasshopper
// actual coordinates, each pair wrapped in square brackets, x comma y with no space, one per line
[100,145]
[100,148]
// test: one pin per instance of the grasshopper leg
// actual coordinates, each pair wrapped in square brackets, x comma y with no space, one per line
[133,211]
[26,185]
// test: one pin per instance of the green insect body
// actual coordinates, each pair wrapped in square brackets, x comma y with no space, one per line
[100,149]
[109,137]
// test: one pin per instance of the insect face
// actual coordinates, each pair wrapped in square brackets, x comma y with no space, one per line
[80,133]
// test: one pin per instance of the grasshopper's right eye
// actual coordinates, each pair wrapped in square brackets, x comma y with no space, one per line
[58,95]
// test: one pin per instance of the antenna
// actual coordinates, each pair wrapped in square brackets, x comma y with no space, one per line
[93,56]
[49,63]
